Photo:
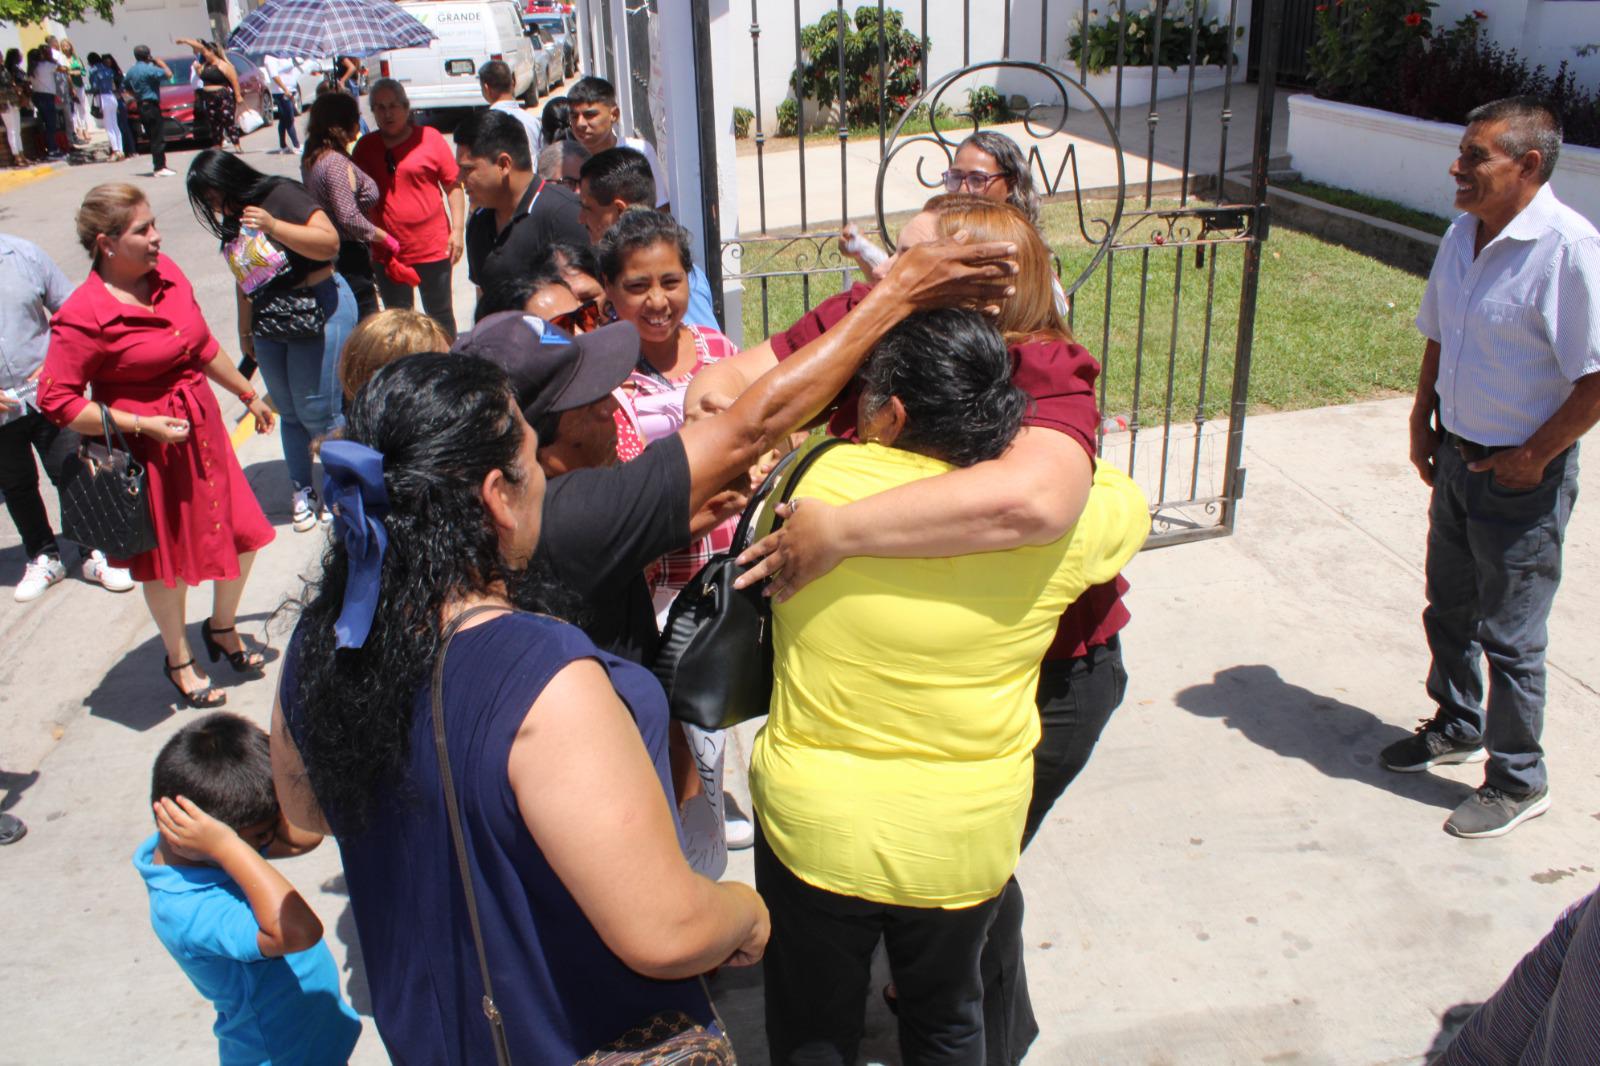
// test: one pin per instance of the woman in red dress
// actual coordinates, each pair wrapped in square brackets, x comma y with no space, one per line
[133,333]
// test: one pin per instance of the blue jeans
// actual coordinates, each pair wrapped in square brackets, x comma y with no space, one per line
[1494,561]
[302,377]
[285,110]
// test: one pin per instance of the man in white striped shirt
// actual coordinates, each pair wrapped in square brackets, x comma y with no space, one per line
[1510,380]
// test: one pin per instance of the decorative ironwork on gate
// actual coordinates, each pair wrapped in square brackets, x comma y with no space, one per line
[1159,270]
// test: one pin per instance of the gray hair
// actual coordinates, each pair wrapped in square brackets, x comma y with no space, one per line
[1014,165]
[1531,126]
[389,85]
[554,155]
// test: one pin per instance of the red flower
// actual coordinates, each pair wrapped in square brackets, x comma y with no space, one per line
[1321,8]
[1413,19]
[1479,14]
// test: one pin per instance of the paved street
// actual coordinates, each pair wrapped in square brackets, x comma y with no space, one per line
[1232,880]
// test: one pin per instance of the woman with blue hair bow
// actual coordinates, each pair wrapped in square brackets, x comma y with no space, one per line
[591,920]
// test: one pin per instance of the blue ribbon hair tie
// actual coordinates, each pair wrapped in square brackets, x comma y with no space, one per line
[352,489]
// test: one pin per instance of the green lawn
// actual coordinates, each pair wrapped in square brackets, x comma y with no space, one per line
[1332,326]
[1369,205]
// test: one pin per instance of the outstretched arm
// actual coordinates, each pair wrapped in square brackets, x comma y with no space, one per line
[1032,494]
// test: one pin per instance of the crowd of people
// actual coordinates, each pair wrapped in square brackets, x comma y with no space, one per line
[533,847]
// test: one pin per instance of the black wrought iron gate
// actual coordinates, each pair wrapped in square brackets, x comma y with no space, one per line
[1162,271]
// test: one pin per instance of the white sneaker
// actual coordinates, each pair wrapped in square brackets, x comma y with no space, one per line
[737,830]
[40,574]
[164,172]
[112,578]
[304,515]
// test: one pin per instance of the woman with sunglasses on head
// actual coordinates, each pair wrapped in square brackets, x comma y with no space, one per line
[986,164]
[347,193]
[420,201]
[295,324]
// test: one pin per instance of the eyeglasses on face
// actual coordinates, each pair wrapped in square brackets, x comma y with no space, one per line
[972,180]
[585,318]
[571,183]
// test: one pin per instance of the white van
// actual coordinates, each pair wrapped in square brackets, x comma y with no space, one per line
[466,35]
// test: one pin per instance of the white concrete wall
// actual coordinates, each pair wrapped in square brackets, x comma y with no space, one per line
[1407,160]
[153,22]
[945,28]
[1542,31]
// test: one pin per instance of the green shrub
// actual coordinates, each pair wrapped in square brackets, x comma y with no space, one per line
[742,118]
[817,78]
[788,118]
[1093,45]
[1362,45]
[985,104]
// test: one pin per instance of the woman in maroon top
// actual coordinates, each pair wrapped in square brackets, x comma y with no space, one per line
[1031,495]
[133,333]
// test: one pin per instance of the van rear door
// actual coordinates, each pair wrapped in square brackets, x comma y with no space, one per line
[445,71]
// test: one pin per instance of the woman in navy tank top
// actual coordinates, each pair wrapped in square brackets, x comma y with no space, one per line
[593,921]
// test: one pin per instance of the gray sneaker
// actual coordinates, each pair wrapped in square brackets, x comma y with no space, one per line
[1490,812]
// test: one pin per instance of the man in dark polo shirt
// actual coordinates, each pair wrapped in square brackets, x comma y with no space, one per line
[604,523]
[518,214]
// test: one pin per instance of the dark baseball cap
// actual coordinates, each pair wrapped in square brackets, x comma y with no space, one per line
[550,370]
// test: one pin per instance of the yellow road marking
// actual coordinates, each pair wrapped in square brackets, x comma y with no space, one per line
[16,179]
[244,430]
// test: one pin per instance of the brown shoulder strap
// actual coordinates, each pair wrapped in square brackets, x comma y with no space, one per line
[502,1051]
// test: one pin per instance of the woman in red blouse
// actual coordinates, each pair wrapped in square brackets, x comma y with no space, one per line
[133,333]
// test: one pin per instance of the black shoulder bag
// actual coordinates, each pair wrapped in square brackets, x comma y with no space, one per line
[105,496]
[715,657]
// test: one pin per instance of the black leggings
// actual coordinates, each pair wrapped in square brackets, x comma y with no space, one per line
[436,297]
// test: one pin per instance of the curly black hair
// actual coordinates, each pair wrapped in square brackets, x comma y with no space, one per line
[442,422]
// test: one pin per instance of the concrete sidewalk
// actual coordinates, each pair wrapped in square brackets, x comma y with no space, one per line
[1233,879]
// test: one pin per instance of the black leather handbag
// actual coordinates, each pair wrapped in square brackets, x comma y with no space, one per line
[715,658]
[285,314]
[105,496]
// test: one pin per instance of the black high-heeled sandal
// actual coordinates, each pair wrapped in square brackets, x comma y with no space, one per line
[243,661]
[205,699]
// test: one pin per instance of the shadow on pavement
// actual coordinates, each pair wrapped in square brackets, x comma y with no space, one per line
[1450,1024]
[356,989]
[1338,739]
[135,694]
[13,785]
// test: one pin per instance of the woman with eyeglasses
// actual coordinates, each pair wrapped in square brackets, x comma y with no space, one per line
[420,202]
[986,164]
[347,193]
[562,162]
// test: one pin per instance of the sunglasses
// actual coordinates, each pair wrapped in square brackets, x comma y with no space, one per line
[584,318]
[971,180]
[390,161]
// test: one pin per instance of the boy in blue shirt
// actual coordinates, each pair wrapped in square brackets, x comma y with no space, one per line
[240,931]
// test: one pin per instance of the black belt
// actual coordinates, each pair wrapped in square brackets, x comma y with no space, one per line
[1472,451]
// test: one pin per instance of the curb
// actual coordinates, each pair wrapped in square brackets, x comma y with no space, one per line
[16,179]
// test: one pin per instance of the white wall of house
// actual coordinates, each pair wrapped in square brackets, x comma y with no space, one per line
[947,28]
[156,23]
[1542,31]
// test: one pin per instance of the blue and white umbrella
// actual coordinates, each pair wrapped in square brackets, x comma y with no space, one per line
[316,29]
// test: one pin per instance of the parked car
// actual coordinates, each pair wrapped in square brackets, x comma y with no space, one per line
[184,120]
[546,61]
[443,74]
[560,27]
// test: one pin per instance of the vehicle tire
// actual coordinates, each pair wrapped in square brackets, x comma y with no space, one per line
[531,97]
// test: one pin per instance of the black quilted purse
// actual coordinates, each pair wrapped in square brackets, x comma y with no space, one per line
[284,314]
[715,658]
[105,496]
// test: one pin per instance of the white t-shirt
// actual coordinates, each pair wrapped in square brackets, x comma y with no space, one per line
[535,130]
[284,74]
[44,77]
[639,144]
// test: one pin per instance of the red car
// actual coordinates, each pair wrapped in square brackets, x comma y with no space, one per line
[185,119]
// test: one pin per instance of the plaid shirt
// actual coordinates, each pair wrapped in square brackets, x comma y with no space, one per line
[655,410]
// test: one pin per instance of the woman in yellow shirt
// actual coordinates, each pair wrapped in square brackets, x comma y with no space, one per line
[893,776]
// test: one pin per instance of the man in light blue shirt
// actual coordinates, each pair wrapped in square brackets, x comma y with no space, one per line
[1510,380]
[31,288]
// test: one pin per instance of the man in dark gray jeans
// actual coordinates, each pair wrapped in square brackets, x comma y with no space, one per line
[1510,380]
